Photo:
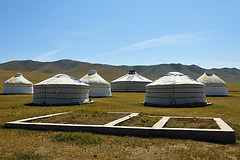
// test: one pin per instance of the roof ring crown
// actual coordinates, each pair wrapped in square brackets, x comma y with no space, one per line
[60,75]
[209,72]
[18,74]
[131,71]
[91,72]
[175,74]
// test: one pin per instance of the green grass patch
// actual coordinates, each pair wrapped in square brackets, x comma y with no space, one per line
[27,156]
[191,123]
[79,137]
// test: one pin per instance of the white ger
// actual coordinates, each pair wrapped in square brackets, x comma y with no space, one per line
[98,87]
[61,89]
[131,82]
[17,85]
[214,86]
[175,89]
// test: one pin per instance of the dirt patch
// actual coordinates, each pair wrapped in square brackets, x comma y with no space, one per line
[191,123]
[91,118]
[142,121]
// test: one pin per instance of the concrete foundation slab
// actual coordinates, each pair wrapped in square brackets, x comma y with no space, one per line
[225,134]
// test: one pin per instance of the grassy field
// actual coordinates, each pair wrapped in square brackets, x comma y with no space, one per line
[26,144]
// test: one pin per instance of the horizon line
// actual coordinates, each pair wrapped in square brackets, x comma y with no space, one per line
[121,64]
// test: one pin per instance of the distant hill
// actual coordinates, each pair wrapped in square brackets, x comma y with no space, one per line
[74,68]
[230,75]
[77,69]
[45,67]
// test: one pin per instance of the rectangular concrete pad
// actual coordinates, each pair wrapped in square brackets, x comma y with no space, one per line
[224,135]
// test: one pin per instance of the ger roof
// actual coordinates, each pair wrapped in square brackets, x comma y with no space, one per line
[17,79]
[174,78]
[132,76]
[61,79]
[210,77]
[93,78]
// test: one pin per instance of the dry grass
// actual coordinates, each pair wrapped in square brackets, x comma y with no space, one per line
[18,142]
[191,123]
[82,117]
[142,121]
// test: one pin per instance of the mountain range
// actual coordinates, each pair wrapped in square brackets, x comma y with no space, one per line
[110,72]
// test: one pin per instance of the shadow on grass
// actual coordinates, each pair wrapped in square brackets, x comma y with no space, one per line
[139,104]
[55,105]
[103,97]
[236,128]
[175,106]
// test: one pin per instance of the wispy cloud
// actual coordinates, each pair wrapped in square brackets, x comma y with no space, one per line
[47,55]
[167,40]
[173,39]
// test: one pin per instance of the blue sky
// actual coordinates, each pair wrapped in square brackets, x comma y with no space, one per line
[122,32]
